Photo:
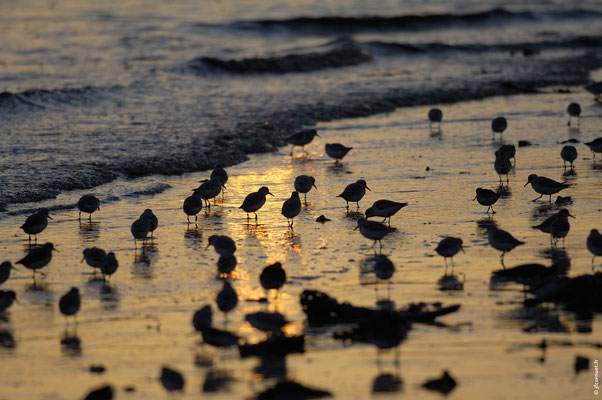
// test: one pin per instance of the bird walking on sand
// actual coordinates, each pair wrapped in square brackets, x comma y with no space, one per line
[171,379]
[595,146]
[543,185]
[227,299]
[486,197]
[193,205]
[509,150]
[373,230]
[88,204]
[254,201]
[70,302]
[301,138]
[435,116]
[37,258]
[445,384]
[226,263]
[336,151]
[153,222]
[222,244]
[36,223]
[220,175]
[502,241]
[557,225]
[502,165]
[291,208]
[303,184]
[95,257]
[568,153]
[574,110]
[5,268]
[385,209]
[595,89]
[267,321]
[273,276]
[447,248]
[140,229]
[594,244]
[219,338]
[209,189]
[202,318]
[7,297]
[109,266]
[498,125]
[354,192]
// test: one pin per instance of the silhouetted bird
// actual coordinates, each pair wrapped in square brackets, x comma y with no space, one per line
[304,183]
[445,384]
[193,205]
[227,299]
[502,165]
[171,379]
[140,229]
[594,243]
[254,201]
[574,110]
[38,257]
[486,197]
[153,222]
[373,230]
[202,318]
[70,302]
[110,265]
[354,192]
[219,338]
[336,151]
[220,175]
[222,244]
[273,276]
[291,208]
[88,204]
[301,138]
[568,153]
[595,146]
[102,393]
[36,223]
[5,268]
[95,257]
[448,247]
[7,297]
[385,209]
[226,263]
[509,150]
[435,115]
[209,189]
[267,321]
[556,225]
[543,185]
[502,240]
[498,125]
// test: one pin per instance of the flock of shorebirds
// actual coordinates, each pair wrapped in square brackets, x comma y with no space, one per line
[274,276]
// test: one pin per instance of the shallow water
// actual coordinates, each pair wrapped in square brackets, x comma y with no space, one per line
[143,321]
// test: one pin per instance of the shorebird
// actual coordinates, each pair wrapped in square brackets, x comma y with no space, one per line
[7,297]
[273,276]
[36,223]
[304,183]
[574,110]
[447,248]
[373,230]
[102,393]
[435,116]
[209,189]
[254,201]
[354,192]
[336,151]
[222,244]
[502,240]
[110,265]
[5,268]
[595,146]
[220,175]
[95,257]
[267,321]
[301,138]
[70,302]
[595,89]
[385,209]
[502,165]
[193,205]
[509,150]
[140,229]
[543,185]
[556,225]
[445,384]
[171,379]
[383,269]
[227,299]
[153,222]
[88,204]
[594,244]
[486,197]
[498,125]
[291,208]
[226,263]
[219,338]
[202,318]
[568,153]
[37,258]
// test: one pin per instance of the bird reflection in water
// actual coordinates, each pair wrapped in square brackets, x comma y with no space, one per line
[89,231]
[271,366]
[193,234]
[453,282]
[7,340]
[217,380]
[337,169]
[143,260]
[292,241]
[109,297]
[71,344]
[484,224]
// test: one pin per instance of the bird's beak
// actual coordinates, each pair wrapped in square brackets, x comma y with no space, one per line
[83,258]
[98,209]
[462,248]
[368,188]
[271,194]
[207,246]
[474,198]
[355,229]
[49,217]
[55,250]
[526,183]
[572,216]
[224,186]
[203,180]
[318,136]
[15,268]
[315,186]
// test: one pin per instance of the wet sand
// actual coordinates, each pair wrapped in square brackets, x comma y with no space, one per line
[142,321]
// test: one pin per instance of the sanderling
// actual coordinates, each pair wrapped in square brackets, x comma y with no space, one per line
[435,116]
[220,175]
[486,197]
[556,225]
[153,222]
[209,189]
[509,150]
[36,223]
[373,230]
[301,138]
[502,165]
[568,153]
[385,209]
[202,318]
[595,89]
[543,185]
[304,183]
[219,338]
[267,321]
[140,229]
[171,379]
[595,146]
[7,297]
[447,248]
[70,302]
[336,151]
[193,205]
[227,299]
[102,393]
[291,208]
[88,204]
[354,192]
[109,266]
[594,244]
[254,201]
[498,125]
[5,268]
[574,110]
[38,257]
[226,263]
[445,384]
[273,276]
[502,240]
[222,244]
[95,257]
